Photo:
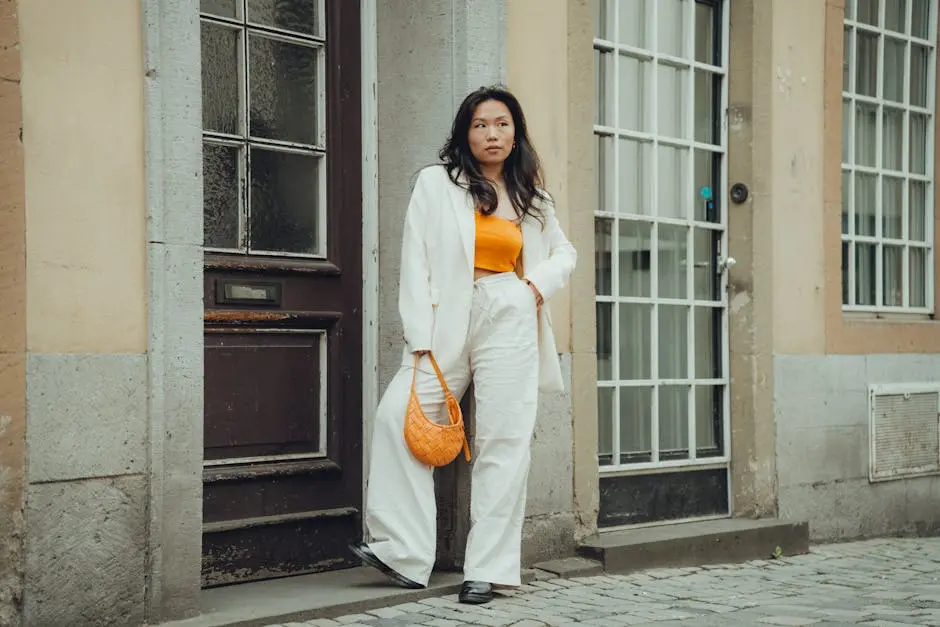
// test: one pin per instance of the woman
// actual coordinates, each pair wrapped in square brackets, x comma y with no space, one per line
[481,251]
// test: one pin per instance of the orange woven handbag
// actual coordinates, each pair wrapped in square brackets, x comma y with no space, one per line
[432,443]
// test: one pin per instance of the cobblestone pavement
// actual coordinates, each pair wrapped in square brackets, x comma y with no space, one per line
[890,582]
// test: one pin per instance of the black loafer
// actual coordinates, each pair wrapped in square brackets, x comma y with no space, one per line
[476,592]
[364,553]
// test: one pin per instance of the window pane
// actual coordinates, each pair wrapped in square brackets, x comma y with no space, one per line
[219,78]
[866,120]
[847,35]
[605,426]
[603,255]
[300,16]
[703,192]
[892,207]
[605,173]
[892,268]
[283,79]
[918,271]
[707,86]
[845,272]
[636,406]
[707,342]
[635,334]
[635,169]
[919,79]
[705,43]
[920,19]
[705,277]
[604,88]
[634,86]
[673,260]
[895,12]
[893,74]
[633,17]
[709,435]
[865,274]
[222,8]
[917,219]
[605,341]
[672,31]
[673,342]
[635,245]
[285,192]
[846,130]
[918,151]
[673,101]
[866,68]
[220,196]
[673,164]
[865,203]
[673,422]
[868,12]
[892,139]
[846,201]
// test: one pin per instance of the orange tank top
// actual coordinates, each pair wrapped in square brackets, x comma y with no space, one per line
[498,243]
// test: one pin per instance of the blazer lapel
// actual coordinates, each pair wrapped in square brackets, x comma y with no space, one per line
[464,214]
[531,234]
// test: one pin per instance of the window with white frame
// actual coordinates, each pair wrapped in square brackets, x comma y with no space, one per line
[889,95]
[264,131]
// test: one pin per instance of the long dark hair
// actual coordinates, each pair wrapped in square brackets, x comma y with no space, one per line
[522,170]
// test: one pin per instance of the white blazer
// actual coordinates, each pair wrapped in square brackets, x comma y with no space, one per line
[436,289]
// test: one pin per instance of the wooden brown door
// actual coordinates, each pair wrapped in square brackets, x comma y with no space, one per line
[283,287]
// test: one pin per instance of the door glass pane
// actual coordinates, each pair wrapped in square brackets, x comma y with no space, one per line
[285,192]
[846,201]
[283,79]
[892,207]
[673,422]
[605,426]
[706,90]
[917,220]
[605,341]
[635,335]
[672,181]
[220,54]
[846,130]
[605,174]
[893,139]
[673,260]
[847,35]
[635,172]
[222,8]
[845,272]
[920,19]
[866,69]
[893,271]
[300,16]
[918,152]
[672,107]
[634,15]
[918,270]
[706,182]
[673,342]
[705,275]
[709,414]
[866,119]
[604,88]
[672,30]
[865,274]
[868,12]
[865,186]
[893,74]
[635,246]
[220,196]
[707,342]
[895,12]
[919,78]
[603,255]
[635,77]
[705,33]
[635,424]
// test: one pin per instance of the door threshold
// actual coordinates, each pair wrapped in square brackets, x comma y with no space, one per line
[307,597]
[662,523]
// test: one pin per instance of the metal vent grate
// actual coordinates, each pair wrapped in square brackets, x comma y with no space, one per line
[904,430]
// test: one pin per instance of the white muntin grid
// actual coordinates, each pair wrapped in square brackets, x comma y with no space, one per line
[214,15]
[905,27]
[653,143]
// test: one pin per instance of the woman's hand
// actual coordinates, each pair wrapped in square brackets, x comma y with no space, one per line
[535,291]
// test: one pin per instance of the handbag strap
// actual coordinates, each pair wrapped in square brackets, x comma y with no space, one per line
[437,369]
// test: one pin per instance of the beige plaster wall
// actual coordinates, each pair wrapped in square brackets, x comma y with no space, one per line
[83,140]
[550,57]
[12,323]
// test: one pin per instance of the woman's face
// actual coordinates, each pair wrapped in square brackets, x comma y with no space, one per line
[492,133]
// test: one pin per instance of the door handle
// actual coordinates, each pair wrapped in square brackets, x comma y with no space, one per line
[726,263]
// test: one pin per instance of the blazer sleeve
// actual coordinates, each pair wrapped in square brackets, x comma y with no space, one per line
[552,273]
[414,294]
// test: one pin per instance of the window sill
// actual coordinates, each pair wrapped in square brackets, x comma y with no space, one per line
[893,317]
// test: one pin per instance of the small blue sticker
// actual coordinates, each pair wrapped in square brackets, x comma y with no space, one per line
[706,192]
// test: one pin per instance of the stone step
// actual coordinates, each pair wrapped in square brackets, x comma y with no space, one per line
[729,540]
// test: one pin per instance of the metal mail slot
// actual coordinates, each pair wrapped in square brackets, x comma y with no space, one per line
[247,293]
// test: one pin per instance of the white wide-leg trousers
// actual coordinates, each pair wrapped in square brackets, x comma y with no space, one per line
[501,356]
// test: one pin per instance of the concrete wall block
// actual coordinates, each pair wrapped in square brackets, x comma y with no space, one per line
[902,368]
[87,416]
[85,553]
[820,391]
[814,454]
[548,537]
[550,488]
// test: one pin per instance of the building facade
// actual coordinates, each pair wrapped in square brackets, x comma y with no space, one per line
[200,218]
